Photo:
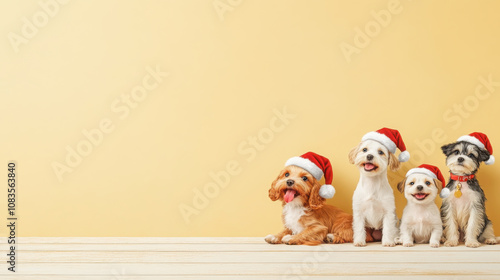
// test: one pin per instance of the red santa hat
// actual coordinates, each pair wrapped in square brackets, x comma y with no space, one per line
[481,140]
[391,139]
[433,172]
[318,166]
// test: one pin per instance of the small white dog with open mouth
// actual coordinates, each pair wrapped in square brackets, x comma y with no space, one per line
[373,200]
[421,221]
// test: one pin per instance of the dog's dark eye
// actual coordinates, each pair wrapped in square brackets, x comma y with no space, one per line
[287,174]
[412,183]
[456,152]
[471,155]
[365,150]
[304,178]
[427,183]
[381,153]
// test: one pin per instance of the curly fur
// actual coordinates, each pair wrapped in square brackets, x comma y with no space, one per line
[307,219]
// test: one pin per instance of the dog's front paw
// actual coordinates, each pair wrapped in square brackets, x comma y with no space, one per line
[451,243]
[271,239]
[434,244]
[491,241]
[287,239]
[398,241]
[359,243]
[330,238]
[389,244]
[333,238]
[408,244]
[472,244]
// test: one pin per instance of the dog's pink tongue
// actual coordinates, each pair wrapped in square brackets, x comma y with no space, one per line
[369,166]
[420,195]
[289,195]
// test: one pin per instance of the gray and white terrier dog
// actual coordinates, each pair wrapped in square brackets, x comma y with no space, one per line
[463,210]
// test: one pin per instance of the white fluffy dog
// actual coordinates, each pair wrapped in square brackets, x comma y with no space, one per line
[373,200]
[421,221]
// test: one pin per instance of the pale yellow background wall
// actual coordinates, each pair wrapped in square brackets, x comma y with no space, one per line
[228,74]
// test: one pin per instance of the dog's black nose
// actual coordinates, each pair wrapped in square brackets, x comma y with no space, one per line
[420,188]
[460,159]
[290,182]
[369,157]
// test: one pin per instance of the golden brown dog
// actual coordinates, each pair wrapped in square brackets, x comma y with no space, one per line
[306,217]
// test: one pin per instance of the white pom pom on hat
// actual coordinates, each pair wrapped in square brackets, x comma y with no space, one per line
[404,156]
[445,192]
[327,191]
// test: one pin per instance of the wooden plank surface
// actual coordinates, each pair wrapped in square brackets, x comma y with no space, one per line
[251,257]
[255,277]
[276,269]
[245,258]
[207,247]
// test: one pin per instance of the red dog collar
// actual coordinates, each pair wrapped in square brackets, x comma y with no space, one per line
[461,178]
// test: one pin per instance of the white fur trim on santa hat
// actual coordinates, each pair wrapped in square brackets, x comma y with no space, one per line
[423,171]
[404,156]
[473,140]
[327,191]
[306,164]
[379,137]
[490,161]
[445,192]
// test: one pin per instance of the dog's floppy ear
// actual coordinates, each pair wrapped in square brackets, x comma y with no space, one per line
[315,200]
[438,184]
[394,163]
[483,155]
[401,186]
[273,192]
[448,148]
[353,153]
